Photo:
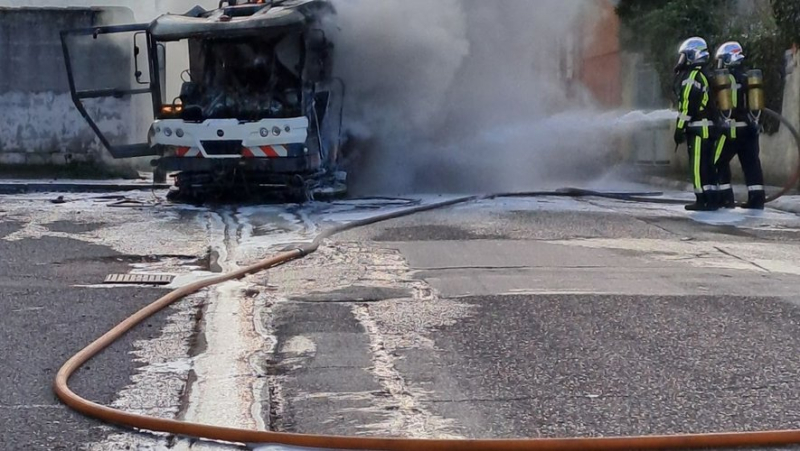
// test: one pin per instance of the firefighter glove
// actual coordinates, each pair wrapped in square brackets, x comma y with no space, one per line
[680,137]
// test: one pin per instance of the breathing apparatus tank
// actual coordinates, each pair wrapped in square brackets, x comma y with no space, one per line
[755,91]
[723,87]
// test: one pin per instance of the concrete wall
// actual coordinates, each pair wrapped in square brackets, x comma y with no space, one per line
[650,145]
[779,153]
[38,122]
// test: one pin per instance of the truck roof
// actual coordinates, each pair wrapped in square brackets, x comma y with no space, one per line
[240,20]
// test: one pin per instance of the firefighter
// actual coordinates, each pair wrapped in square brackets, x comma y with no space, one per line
[740,136]
[695,125]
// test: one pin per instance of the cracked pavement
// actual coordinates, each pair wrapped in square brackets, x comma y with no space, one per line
[551,318]
[541,317]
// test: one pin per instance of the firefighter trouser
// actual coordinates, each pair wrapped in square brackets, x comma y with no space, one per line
[701,162]
[744,143]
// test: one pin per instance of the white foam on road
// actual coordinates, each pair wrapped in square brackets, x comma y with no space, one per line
[222,393]
[299,345]
[768,219]
[410,418]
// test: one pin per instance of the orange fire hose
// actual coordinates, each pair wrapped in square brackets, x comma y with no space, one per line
[232,435]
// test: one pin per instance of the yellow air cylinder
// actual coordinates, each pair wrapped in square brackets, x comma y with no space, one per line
[755,90]
[723,87]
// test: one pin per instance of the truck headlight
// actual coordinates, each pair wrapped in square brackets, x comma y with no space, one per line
[168,131]
[179,133]
[264,132]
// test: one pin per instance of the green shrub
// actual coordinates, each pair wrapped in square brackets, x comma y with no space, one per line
[787,20]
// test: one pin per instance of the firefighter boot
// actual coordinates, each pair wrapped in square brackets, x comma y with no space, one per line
[727,199]
[713,200]
[756,201]
[701,204]
[708,201]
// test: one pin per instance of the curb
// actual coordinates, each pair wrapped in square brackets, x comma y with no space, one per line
[666,182]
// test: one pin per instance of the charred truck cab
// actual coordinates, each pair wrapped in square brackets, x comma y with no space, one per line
[256,109]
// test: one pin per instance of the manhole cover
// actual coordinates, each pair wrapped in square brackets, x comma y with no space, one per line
[140,279]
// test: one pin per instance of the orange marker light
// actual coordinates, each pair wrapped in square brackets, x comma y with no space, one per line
[169,109]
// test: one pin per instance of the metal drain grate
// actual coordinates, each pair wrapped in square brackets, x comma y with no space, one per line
[140,279]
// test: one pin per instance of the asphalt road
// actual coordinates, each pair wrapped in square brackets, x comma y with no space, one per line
[583,365]
[46,318]
[517,318]
[546,319]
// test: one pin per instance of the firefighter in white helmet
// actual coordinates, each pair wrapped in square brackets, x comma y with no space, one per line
[695,125]
[741,135]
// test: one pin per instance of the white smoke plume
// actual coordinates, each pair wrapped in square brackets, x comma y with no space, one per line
[454,95]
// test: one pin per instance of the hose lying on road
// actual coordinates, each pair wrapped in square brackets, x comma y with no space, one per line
[232,435]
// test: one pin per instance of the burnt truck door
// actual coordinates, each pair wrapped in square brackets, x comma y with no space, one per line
[115,84]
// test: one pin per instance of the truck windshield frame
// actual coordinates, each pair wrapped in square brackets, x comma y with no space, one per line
[236,77]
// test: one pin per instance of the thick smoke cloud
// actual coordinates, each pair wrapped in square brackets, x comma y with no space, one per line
[399,59]
[456,95]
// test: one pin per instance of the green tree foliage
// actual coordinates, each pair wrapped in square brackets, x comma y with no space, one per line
[787,20]
[655,28]
[765,49]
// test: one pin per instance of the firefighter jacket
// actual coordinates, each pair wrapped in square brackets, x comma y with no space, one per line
[696,111]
